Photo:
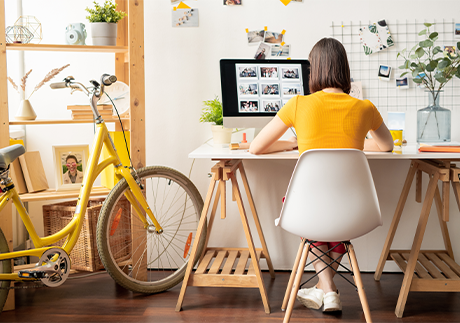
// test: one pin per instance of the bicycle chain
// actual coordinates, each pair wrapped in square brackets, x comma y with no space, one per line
[25,285]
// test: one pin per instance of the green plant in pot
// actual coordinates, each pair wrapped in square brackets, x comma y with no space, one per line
[103,20]
[432,67]
[212,113]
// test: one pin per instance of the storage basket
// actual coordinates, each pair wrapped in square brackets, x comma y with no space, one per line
[84,255]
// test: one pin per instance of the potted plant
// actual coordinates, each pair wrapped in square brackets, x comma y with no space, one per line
[432,67]
[212,112]
[103,21]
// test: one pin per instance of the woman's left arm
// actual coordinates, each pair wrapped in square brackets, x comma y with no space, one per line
[267,140]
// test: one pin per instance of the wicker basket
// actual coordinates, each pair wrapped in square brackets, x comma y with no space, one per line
[84,255]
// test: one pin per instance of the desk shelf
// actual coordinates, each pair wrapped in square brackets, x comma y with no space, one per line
[67,48]
[69,121]
[435,270]
[55,195]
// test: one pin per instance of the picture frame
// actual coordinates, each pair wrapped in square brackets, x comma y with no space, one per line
[77,157]
[457,30]
[402,83]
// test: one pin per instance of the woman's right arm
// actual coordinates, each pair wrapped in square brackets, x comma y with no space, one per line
[381,140]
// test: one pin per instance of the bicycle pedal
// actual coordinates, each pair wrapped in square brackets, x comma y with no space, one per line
[32,274]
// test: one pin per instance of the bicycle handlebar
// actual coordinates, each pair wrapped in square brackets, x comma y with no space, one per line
[58,85]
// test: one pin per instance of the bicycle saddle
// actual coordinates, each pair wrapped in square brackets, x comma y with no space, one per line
[9,154]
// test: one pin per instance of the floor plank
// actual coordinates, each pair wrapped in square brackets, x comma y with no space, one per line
[98,299]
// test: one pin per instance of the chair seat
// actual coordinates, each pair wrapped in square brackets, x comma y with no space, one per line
[9,154]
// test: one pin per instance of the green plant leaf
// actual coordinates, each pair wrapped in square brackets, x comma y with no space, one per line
[429,68]
[434,63]
[440,78]
[444,63]
[418,81]
[212,112]
[413,64]
[426,43]
[415,74]
[402,67]
[420,52]
[436,50]
[414,56]
[403,74]
[433,35]
[413,48]
[427,24]
[423,32]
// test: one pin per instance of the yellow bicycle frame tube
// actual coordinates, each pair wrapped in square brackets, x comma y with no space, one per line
[73,228]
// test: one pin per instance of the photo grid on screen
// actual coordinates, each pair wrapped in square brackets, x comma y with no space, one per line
[265,88]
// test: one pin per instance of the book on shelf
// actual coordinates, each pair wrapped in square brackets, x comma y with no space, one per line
[101,112]
[444,147]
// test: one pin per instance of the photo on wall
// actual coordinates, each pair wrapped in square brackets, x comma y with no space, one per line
[70,165]
[248,89]
[262,52]
[271,105]
[256,36]
[290,73]
[269,72]
[384,72]
[185,17]
[247,72]
[233,2]
[402,83]
[457,31]
[273,38]
[280,51]
[291,89]
[270,89]
[249,106]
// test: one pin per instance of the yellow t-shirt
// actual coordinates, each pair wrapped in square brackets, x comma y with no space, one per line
[330,120]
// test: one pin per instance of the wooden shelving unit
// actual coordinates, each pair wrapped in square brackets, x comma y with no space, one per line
[129,68]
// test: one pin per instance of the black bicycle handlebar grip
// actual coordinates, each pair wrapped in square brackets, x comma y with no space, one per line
[58,85]
[108,80]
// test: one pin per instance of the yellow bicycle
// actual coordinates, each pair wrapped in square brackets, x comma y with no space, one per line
[145,228]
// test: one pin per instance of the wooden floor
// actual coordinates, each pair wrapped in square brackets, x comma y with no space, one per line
[99,299]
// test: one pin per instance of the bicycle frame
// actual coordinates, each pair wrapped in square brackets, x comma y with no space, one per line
[72,229]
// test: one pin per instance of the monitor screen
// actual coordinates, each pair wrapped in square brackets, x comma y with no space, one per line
[254,90]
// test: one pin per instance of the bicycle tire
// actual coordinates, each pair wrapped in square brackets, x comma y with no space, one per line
[5,268]
[164,188]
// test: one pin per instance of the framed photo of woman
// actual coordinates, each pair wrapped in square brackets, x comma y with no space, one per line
[70,165]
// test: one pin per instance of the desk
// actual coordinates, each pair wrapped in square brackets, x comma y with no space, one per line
[424,263]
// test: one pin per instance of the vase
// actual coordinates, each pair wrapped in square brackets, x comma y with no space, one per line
[433,122]
[104,33]
[221,135]
[25,111]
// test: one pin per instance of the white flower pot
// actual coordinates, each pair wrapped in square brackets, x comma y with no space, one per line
[221,135]
[25,111]
[104,33]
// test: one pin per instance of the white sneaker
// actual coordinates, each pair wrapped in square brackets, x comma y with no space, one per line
[332,302]
[311,297]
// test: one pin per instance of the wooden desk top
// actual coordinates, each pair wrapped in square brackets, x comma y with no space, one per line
[210,151]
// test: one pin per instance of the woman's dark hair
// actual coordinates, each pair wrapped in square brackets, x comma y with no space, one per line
[71,156]
[329,66]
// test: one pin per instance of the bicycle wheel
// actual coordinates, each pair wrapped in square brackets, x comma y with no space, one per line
[5,268]
[140,259]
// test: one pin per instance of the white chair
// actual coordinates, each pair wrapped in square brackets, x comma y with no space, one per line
[331,197]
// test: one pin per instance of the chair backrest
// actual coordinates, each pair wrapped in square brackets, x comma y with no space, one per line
[331,196]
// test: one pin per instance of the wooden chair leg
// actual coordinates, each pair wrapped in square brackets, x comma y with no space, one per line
[295,287]
[359,283]
[293,272]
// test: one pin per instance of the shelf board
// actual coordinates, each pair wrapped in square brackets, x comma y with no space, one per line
[55,195]
[44,121]
[67,48]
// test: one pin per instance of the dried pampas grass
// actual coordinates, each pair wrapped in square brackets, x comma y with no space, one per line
[13,84]
[48,77]
[24,79]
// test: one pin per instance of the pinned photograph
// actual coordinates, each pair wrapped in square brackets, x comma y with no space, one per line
[290,73]
[384,72]
[271,105]
[262,52]
[185,17]
[451,50]
[402,83]
[273,38]
[280,51]
[457,31]
[269,72]
[70,165]
[356,90]
[247,72]
[233,2]
[270,89]
[256,36]
[249,106]
[419,80]
[248,89]
[291,89]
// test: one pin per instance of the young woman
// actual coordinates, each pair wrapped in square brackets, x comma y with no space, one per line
[327,118]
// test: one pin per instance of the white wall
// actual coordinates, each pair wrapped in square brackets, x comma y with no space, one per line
[182,70]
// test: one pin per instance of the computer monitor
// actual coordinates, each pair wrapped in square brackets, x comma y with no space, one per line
[254,90]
